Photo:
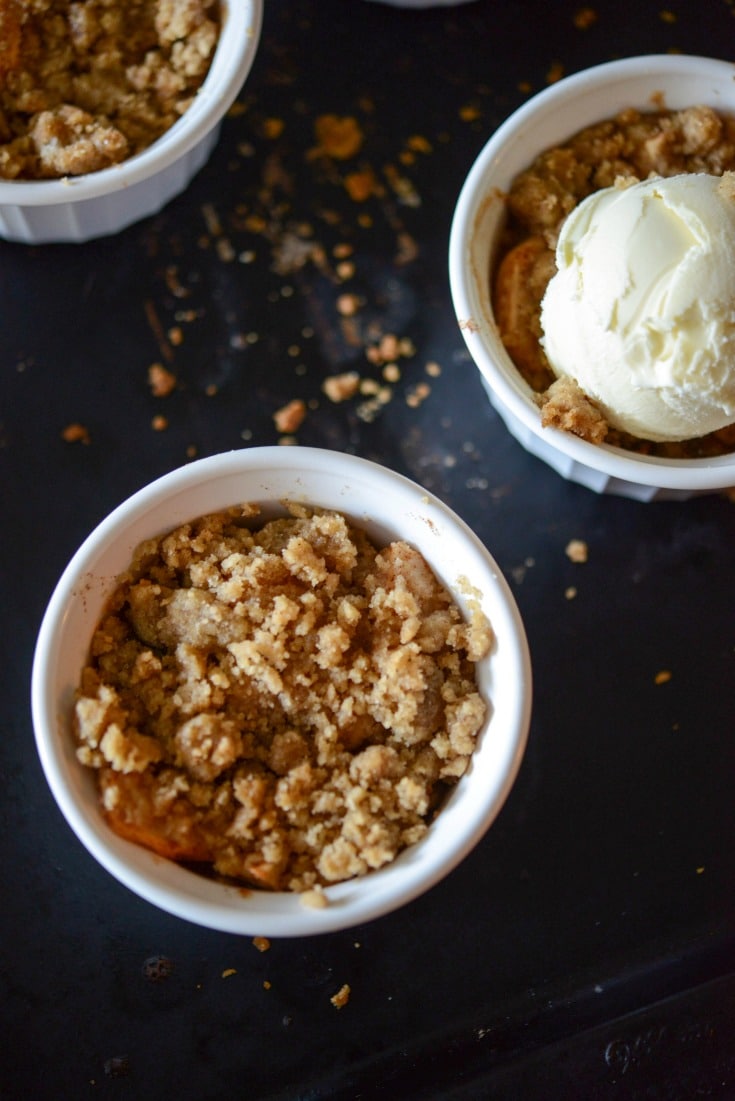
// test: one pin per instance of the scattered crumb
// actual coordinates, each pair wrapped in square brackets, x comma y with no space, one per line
[570,592]
[228,971]
[160,380]
[584,18]
[389,349]
[173,282]
[576,550]
[402,187]
[348,305]
[519,572]
[408,248]
[470,113]
[273,128]
[336,137]
[368,410]
[419,144]
[556,72]
[75,433]
[164,346]
[341,387]
[362,185]
[267,984]
[225,250]
[564,405]
[662,677]
[341,998]
[290,417]
[159,423]
[261,943]
[211,219]
[418,395]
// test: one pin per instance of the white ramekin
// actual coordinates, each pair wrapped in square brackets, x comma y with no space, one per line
[101,203]
[387,506]
[545,120]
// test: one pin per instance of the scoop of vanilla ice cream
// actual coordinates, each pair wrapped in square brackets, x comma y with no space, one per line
[641,311]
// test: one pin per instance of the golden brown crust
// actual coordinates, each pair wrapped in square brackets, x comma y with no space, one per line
[286,703]
[87,85]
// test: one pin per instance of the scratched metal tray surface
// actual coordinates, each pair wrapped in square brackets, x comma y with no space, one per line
[585,948]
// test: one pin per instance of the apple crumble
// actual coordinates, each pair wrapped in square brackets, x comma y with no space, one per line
[280,704]
[633,145]
[85,84]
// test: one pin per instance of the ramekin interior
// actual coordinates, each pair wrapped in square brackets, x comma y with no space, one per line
[236,48]
[387,506]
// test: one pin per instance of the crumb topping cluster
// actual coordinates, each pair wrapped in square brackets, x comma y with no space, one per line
[85,85]
[285,704]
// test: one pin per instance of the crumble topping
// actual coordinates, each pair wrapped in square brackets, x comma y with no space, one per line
[85,85]
[283,705]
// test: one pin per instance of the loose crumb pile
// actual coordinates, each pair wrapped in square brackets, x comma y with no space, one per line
[342,997]
[282,704]
[85,84]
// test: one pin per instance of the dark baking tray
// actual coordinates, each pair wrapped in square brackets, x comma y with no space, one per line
[585,948]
